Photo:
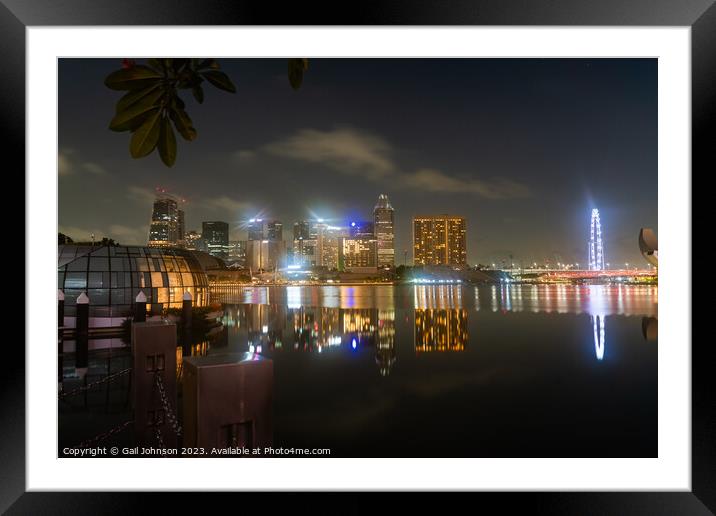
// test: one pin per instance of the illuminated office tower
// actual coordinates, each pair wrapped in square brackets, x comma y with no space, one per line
[329,240]
[237,253]
[439,240]
[164,227]
[274,230]
[305,245]
[181,234]
[191,241]
[256,229]
[265,255]
[360,254]
[383,218]
[216,238]
[301,230]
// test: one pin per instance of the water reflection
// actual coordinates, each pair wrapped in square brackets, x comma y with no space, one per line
[327,318]
[454,356]
[440,330]
[277,328]
[598,324]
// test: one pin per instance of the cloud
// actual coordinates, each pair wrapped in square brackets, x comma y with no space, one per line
[227,204]
[245,154]
[68,164]
[349,151]
[141,194]
[95,168]
[345,150]
[64,165]
[436,181]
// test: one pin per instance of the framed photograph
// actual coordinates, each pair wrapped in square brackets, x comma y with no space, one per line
[420,250]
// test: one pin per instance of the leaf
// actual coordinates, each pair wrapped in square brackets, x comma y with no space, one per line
[146,137]
[167,143]
[296,67]
[148,96]
[207,63]
[183,123]
[134,78]
[155,64]
[130,119]
[198,94]
[220,80]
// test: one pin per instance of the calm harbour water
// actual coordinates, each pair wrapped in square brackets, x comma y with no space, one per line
[511,370]
[443,370]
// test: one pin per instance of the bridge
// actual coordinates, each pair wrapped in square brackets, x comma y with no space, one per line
[574,274]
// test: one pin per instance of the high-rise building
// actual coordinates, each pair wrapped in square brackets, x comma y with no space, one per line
[301,230]
[305,252]
[359,253]
[361,229]
[265,255]
[237,253]
[256,229]
[191,241]
[215,235]
[181,236]
[329,241]
[384,220]
[274,230]
[164,227]
[439,240]
[360,247]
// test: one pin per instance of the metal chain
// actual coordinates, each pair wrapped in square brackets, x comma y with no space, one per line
[103,436]
[158,435]
[89,386]
[171,417]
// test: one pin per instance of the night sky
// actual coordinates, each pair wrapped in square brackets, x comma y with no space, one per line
[523,148]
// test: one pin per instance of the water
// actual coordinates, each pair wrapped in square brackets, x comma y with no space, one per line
[444,370]
[503,371]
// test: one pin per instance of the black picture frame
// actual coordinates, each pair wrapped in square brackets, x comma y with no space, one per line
[700,15]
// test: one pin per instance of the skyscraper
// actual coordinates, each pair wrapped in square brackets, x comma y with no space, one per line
[439,240]
[181,236]
[304,246]
[274,230]
[164,227]
[237,253]
[256,229]
[191,241]
[383,219]
[216,238]
[360,248]
[301,230]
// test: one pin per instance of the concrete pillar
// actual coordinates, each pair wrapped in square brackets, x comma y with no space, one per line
[60,336]
[81,334]
[154,346]
[140,307]
[228,400]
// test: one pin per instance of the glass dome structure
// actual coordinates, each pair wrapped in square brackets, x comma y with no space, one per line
[112,276]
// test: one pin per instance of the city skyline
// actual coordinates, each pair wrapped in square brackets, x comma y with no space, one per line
[585,131]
